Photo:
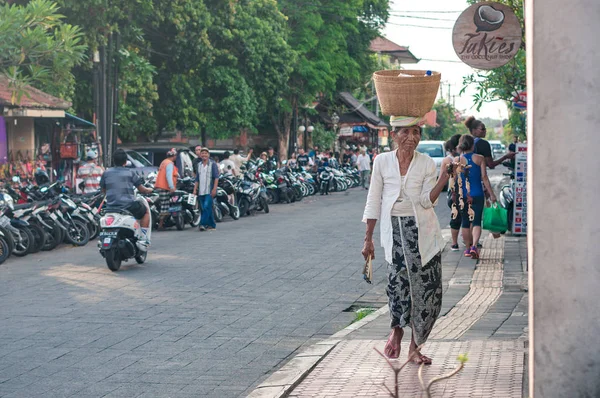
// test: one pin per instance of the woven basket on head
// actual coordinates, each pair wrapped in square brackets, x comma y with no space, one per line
[406,96]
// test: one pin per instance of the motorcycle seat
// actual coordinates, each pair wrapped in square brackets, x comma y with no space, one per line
[23,206]
[116,210]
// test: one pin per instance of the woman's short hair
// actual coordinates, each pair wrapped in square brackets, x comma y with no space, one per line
[452,143]
[472,123]
[466,143]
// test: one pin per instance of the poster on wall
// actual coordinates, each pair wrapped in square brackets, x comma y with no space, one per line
[520,210]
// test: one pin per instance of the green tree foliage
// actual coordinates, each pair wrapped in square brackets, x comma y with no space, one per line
[448,121]
[323,137]
[501,84]
[38,48]
[222,66]
[331,40]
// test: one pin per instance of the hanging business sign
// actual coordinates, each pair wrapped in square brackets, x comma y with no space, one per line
[487,35]
[346,131]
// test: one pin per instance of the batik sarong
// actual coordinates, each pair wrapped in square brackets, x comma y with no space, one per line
[414,291]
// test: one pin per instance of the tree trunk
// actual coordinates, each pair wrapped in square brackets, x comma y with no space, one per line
[282,126]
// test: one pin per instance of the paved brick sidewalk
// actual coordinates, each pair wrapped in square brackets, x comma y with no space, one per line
[484,315]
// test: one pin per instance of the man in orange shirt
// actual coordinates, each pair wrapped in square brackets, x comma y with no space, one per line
[166,181]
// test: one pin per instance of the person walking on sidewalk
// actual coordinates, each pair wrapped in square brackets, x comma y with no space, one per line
[363,162]
[402,195]
[207,179]
[474,197]
[166,182]
[482,147]
[455,223]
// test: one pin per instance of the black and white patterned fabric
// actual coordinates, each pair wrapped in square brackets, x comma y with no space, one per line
[414,291]
[164,198]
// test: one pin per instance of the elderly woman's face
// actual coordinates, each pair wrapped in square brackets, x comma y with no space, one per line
[407,138]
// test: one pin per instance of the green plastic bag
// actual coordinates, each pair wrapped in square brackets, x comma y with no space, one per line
[495,219]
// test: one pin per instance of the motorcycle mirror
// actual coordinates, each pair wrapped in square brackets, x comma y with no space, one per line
[16,179]
[43,189]
[284,162]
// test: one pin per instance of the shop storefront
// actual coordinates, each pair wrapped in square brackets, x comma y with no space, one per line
[39,134]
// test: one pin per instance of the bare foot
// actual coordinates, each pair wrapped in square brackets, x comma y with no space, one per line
[419,359]
[392,347]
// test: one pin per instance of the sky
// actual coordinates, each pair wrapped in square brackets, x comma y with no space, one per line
[432,45]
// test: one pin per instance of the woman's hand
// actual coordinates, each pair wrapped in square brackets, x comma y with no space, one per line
[493,197]
[368,249]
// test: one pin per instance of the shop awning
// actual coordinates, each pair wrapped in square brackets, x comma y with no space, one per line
[79,120]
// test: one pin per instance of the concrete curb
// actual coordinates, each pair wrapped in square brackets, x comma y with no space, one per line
[282,382]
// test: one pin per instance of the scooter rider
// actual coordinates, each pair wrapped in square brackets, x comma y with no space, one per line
[118,183]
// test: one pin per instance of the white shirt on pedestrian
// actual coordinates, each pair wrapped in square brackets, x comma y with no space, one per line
[363,162]
[204,185]
[230,167]
[416,186]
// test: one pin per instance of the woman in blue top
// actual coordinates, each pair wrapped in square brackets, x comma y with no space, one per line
[477,178]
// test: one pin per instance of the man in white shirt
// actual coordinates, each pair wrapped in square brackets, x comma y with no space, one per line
[363,162]
[229,165]
[238,159]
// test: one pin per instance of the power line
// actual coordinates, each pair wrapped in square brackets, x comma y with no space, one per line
[419,26]
[428,12]
[427,18]
[440,60]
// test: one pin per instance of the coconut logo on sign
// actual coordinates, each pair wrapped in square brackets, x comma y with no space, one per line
[487,35]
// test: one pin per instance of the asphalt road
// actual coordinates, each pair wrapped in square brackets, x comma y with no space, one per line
[209,314]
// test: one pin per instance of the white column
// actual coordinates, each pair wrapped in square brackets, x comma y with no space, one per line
[563,55]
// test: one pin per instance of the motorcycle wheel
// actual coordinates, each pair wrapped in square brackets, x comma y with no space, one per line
[78,233]
[234,212]
[195,219]
[217,213]
[26,243]
[298,194]
[39,237]
[179,222]
[311,190]
[113,259]
[264,205]
[244,205]
[54,237]
[94,229]
[4,252]
[10,240]
[273,196]
[141,257]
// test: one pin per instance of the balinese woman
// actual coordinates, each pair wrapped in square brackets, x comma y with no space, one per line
[403,192]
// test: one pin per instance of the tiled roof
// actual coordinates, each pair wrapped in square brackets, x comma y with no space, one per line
[33,99]
[388,47]
[360,109]
[381,44]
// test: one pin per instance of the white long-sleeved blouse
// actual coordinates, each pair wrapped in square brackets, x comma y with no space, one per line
[418,184]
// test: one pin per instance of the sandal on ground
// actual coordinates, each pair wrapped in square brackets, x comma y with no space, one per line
[419,359]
